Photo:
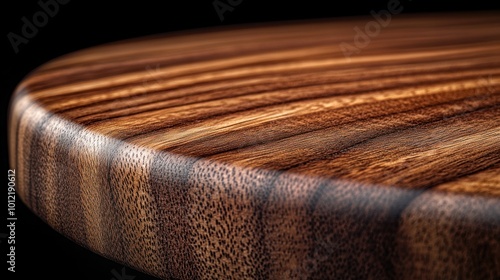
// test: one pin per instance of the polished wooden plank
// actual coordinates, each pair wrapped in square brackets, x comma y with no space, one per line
[263,152]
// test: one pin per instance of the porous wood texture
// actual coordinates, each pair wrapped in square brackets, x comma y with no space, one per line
[263,152]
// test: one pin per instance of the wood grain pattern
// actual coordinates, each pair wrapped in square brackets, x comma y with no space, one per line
[262,152]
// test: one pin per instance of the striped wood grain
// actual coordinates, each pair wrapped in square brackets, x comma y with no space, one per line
[262,152]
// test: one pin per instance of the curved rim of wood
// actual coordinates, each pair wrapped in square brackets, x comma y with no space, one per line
[264,153]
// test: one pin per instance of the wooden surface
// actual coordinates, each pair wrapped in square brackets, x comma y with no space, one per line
[263,152]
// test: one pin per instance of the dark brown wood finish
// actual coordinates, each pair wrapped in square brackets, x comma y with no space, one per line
[262,152]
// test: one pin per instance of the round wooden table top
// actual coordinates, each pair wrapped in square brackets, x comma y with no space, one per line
[349,148]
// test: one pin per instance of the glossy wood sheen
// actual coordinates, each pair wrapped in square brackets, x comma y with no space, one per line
[262,152]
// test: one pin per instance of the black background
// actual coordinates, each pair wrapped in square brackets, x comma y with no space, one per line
[42,252]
